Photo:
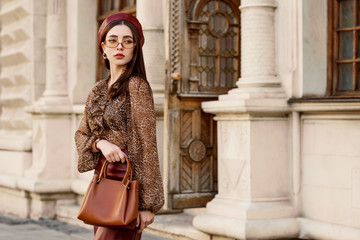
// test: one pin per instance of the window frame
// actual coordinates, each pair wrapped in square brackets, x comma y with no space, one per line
[192,83]
[333,52]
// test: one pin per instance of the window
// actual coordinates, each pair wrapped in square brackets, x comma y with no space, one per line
[214,33]
[105,9]
[344,47]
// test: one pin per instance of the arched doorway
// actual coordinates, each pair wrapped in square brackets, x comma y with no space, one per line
[203,63]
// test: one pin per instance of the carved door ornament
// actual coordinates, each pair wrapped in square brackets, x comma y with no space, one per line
[197,150]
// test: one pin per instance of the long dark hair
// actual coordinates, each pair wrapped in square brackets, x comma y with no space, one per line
[135,67]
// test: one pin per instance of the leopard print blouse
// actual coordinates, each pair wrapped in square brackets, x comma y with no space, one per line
[129,123]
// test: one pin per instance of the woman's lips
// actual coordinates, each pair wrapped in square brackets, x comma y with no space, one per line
[119,56]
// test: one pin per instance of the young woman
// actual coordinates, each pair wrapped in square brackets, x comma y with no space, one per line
[119,120]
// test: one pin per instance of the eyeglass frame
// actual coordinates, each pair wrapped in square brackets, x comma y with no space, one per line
[119,44]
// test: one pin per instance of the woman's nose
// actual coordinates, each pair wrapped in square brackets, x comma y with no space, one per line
[119,46]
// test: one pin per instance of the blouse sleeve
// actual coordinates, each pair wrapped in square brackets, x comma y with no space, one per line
[142,146]
[87,159]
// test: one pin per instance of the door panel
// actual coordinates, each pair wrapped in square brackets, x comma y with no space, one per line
[198,180]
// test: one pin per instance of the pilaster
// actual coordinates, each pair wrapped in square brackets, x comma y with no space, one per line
[154,57]
[253,141]
[49,174]
[153,49]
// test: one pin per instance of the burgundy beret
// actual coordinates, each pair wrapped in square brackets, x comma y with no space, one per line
[120,16]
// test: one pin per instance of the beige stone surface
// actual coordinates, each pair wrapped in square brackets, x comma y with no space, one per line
[277,161]
[14,202]
[330,170]
[14,163]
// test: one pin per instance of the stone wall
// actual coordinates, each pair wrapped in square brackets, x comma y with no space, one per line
[22,78]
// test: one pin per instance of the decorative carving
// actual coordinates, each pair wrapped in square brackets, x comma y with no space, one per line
[186,175]
[186,127]
[205,174]
[175,11]
[197,150]
[218,24]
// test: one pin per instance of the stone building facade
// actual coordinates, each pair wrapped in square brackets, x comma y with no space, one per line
[257,104]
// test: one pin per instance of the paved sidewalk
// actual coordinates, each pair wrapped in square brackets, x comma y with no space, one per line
[27,229]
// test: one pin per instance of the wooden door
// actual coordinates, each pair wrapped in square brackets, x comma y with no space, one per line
[204,63]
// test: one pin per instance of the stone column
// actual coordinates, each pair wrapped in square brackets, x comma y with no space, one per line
[56,90]
[258,45]
[48,178]
[150,14]
[253,141]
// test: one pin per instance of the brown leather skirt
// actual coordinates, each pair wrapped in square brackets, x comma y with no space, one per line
[103,233]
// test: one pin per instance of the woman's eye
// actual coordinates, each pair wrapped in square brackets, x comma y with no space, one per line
[128,41]
[111,40]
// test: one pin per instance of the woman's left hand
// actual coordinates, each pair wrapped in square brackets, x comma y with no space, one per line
[145,218]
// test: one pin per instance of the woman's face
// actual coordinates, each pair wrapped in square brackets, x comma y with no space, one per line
[119,55]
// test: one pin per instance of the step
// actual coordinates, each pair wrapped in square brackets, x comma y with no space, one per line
[82,236]
[168,225]
[176,226]
[68,214]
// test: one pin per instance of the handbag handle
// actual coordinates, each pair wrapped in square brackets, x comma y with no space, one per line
[128,175]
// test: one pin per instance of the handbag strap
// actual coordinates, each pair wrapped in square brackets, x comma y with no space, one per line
[127,177]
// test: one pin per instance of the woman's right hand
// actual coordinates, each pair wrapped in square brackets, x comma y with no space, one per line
[111,151]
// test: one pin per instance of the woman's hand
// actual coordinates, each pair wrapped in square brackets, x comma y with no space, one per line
[144,219]
[111,151]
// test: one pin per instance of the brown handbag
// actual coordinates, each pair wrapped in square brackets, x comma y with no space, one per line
[111,203]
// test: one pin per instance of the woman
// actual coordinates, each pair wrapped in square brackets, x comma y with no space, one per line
[119,120]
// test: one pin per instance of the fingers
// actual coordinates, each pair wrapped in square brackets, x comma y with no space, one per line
[138,220]
[146,218]
[124,157]
[115,157]
[114,154]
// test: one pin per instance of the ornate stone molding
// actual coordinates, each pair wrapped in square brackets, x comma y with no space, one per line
[175,26]
[175,33]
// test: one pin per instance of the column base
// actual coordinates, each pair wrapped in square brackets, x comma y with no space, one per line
[268,219]
[312,229]
[262,81]
[247,229]
[22,203]
[44,185]
[51,105]
[14,163]
[249,100]
[19,141]
[14,202]
[44,205]
[255,210]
